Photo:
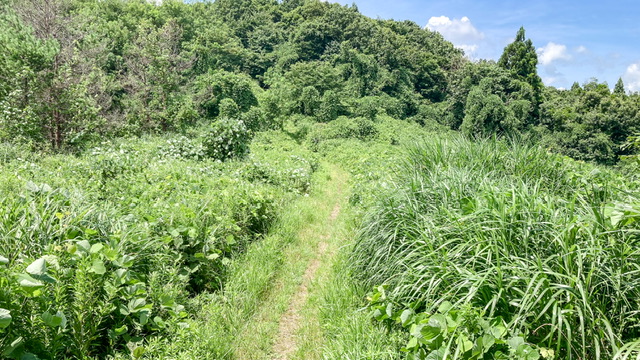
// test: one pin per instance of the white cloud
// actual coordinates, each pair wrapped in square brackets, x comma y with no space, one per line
[552,52]
[460,32]
[631,77]
[581,49]
[469,49]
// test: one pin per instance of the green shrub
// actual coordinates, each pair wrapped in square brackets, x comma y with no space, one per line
[215,86]
[228,138]
[344,128]
[256,119]
[330,107]
[276,160]
[486,114]
[228,108]
[309,101]
[450,332]
[182,147]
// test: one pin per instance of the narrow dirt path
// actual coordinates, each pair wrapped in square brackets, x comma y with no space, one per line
[286,342]
[286,320]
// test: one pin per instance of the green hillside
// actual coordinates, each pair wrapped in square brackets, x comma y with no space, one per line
[258,179]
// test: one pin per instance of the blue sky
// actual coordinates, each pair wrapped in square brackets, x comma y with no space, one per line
[576,40]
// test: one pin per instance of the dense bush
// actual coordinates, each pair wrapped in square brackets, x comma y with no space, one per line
[228,138]
[343,128]
[545,243]
[212,90]
[228,109]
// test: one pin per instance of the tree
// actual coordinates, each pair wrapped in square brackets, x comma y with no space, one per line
[619,88]
[155,64]
[50,95]
[486,114]
[575,87]
[214,86]
[521,60]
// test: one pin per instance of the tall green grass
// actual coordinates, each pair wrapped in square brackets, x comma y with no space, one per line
[546,243]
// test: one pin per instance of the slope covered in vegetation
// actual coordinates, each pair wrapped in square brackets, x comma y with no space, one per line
[150,156]
[74,71]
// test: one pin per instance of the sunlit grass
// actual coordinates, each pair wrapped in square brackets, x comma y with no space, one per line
[509,228]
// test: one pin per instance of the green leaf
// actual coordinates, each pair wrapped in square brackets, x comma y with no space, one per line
[121,330]
[72,234]
[144,317]
[125,261]
[136,305]
[486,342]
[498,331]
[84,246]
[444,307]
[437,354]
[413,343]
[98,267]
[37,268]
[464,344]
[111,254]
[29,285]
[438,320]
[416,330]
[5,318]
[54,320]
[138,352]
[389,310]
[406,316]
[121,276]
[63,319]
[430,332]
[29,356]
[3,260]
[72,248]
[96,248]
[8,351]
[515,342]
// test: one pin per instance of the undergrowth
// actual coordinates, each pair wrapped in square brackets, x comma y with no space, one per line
[102,252]
[545,243]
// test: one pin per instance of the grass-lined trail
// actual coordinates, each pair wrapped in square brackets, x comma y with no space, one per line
[290,296]
[285,324]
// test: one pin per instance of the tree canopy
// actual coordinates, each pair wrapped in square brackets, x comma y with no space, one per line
[75,71]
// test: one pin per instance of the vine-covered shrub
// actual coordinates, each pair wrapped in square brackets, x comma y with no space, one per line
[228,138]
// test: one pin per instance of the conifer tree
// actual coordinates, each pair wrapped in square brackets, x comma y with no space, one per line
[521,60]
[619,88]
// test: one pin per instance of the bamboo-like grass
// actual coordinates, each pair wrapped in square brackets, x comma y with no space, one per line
[525,235]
